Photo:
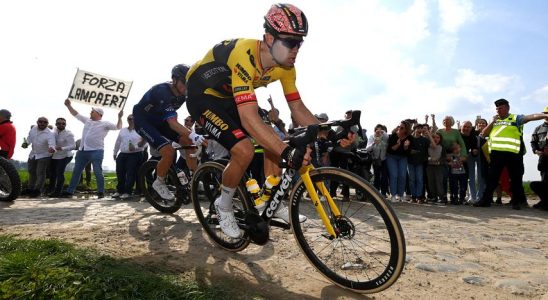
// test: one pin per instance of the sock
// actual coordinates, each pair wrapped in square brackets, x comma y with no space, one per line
[160,178]
[226,197]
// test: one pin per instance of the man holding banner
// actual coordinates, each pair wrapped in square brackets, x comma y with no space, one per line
[155,118]
[91,147]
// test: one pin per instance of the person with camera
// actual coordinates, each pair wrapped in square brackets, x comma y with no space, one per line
[377,145]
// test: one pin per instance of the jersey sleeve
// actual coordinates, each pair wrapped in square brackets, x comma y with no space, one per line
[242,78]
[287,80]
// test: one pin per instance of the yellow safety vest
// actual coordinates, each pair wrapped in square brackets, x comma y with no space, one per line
[506,135]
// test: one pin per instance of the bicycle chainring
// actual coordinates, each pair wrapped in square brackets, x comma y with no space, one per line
[257,228]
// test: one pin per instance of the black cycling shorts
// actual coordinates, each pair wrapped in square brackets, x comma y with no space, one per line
[157,134]
[218,117]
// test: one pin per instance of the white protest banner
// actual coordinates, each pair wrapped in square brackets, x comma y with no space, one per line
[99,91]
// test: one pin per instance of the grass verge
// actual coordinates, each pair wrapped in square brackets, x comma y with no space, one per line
[50,269]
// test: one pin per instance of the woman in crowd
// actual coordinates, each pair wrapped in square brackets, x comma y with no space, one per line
[399,147]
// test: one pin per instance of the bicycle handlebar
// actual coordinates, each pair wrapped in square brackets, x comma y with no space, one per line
[352,124]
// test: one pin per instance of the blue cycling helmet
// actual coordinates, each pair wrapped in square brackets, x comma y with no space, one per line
[179,72]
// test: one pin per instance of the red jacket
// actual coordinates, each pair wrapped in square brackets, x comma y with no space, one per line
[7,137]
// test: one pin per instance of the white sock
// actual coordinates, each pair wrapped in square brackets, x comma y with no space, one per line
[226,197]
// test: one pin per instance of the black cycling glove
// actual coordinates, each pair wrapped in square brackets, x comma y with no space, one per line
[293,157]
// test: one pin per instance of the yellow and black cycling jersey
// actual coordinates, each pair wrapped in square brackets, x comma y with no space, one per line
[232,70]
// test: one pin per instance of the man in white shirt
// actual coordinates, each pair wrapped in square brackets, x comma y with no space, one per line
[131,145]
[64,144]
[42,140]
[91,147]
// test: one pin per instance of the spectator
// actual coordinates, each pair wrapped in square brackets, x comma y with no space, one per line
[43,145]
[87,169]
[470,139]
[320,149]
[457,175]
[91,147]
[339,159]
[482,162]
[377,145]
[539,143]
[435,169]
[7,134]
[130,144]
[399,146]
[415,166]
[64,144]
[506,150]
[277,124]
[450,136]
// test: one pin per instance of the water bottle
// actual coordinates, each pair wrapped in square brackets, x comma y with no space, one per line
[271,182]
[25,143]
[182,177]
[254,189]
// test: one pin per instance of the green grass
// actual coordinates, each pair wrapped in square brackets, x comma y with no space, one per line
[110,180]
[50,269]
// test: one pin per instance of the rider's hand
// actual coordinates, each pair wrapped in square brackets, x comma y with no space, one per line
[295,157]
[196,139]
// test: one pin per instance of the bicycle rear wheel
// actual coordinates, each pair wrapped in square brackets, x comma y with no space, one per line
[368,254]
[206,187]
[145,178]
[10,182]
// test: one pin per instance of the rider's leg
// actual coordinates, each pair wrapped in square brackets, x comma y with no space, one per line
[240,158]
[167,152]
[167,155]
[271,164]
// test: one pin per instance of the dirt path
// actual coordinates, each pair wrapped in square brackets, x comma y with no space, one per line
[453,252]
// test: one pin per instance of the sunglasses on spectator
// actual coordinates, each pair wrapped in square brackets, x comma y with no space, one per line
[291,42]
[60,123]
[42,122]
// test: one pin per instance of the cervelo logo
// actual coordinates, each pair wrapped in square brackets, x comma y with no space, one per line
[286,182]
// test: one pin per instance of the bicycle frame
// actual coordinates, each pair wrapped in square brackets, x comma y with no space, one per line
[282,189]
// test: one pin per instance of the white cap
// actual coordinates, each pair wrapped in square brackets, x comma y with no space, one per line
[98,110]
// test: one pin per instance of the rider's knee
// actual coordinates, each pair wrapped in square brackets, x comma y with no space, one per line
[243,150]
[167,151]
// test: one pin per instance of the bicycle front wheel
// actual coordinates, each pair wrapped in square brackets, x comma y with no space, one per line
[206,187]
[368,253]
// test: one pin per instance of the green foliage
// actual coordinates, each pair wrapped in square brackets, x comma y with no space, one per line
[110,180]
[49,269]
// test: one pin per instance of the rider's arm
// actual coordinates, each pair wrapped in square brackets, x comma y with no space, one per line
[178,127]
[301,114]
[254,125]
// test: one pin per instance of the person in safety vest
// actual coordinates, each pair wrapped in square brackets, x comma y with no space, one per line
[506,149]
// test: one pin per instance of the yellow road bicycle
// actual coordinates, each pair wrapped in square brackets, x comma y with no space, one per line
[356,243]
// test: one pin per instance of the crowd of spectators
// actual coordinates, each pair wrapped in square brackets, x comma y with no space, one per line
[459,163]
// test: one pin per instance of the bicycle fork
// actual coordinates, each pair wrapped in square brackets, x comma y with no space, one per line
[305,175]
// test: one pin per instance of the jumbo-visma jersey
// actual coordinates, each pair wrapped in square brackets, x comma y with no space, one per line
[232,69]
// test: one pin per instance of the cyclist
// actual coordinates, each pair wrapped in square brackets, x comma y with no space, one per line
[155,118]
[221,98]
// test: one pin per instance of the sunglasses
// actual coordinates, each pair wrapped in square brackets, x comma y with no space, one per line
[42,122]
[60,123]
[290,42]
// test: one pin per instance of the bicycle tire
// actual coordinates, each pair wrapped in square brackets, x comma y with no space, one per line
[10,182]
[205,188]
[147,175]
[369,254]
